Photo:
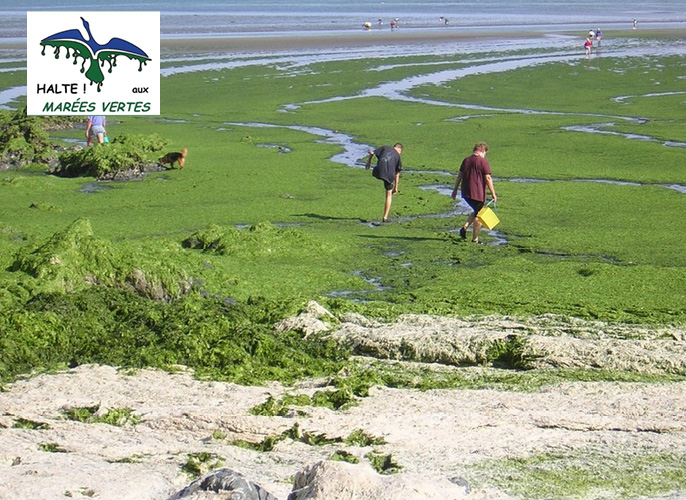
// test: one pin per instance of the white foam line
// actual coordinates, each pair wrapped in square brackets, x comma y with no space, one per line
[654,94]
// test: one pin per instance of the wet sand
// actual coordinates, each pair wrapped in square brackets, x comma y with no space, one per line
[268,42]
[407,36]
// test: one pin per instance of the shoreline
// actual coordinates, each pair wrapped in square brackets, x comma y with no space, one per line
[298,40]
[323,40]
[405,36]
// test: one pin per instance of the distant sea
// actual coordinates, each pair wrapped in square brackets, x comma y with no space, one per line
[184,18]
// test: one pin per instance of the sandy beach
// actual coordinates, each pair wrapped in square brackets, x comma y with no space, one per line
[435,436]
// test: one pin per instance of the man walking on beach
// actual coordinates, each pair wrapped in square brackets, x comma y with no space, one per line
[475,176]
[387,169]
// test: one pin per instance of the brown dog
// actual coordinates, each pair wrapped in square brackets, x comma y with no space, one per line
[172,158]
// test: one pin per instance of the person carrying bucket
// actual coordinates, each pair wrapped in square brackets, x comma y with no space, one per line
[475,177]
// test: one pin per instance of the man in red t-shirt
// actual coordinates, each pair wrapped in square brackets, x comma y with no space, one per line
[475,177]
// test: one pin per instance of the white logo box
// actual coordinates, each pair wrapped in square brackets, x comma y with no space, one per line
[93,63]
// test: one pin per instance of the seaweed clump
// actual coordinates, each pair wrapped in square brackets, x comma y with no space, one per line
[258,240]
[85,300]
[74,259]
[23,140]
[127,154]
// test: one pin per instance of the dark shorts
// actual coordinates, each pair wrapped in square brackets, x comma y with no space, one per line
[388,185]
[476,205]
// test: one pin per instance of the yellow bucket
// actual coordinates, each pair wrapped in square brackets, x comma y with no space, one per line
[488,218]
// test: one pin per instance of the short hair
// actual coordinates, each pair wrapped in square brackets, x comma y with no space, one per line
[398,145]
[481,146]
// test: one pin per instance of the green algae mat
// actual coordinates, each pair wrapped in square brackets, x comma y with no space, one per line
[266,216]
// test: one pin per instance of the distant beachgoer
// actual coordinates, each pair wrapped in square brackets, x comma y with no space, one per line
[475,177]
[367,25]
[635,23]
[591,34]
[598,36]
[380,21]
[96,128]
[387,169]
[588,44]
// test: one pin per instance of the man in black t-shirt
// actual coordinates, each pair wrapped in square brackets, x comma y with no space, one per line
[387,169]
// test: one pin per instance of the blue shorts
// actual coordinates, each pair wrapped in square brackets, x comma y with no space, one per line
[95,130]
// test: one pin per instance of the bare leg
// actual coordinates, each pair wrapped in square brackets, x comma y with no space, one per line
[470,220]
[477,228]
[387,205]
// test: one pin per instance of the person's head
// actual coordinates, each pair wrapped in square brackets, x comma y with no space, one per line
[398,147]
[481,147]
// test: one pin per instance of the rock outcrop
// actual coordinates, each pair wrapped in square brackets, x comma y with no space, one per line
[226,484]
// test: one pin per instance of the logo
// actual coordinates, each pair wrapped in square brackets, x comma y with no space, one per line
[93,52]
[70,72]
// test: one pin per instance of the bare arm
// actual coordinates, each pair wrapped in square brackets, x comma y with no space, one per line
[369,160]
[457,185]
[489,183]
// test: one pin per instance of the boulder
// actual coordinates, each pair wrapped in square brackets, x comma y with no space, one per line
[313,320]
[223,484]
[331,480]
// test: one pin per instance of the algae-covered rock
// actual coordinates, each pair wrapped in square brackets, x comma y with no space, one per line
[313,320]
[207,240]
[69,259]
[544,342]
[23,139]
[258,240]
[74,258]
[126,158]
